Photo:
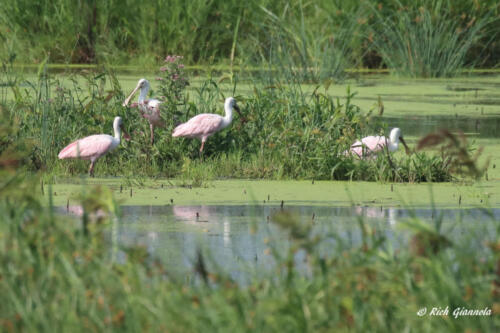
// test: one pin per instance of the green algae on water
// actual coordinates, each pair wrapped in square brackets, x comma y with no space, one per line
[338,193]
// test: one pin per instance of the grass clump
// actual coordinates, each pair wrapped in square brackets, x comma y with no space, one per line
[285,132]
[293,52]
[427,41]
[313,39]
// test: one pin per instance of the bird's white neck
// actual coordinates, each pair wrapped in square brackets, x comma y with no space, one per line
[395,134]
[117,130]
[393,143]
[143,94]
[228,118]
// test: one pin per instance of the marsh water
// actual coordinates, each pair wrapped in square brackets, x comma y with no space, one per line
[240,239]
[484,128]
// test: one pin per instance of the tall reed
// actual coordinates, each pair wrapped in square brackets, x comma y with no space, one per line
[231,32]
[427,42]
[294,51]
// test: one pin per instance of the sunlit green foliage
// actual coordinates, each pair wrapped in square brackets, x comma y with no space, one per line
[285,132]
[315,38]
[427,42]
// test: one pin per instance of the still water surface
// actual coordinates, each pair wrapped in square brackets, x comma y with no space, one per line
[238,239]
[484,128]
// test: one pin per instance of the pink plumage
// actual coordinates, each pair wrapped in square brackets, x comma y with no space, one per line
[94,146]
[201,126]
[368,145]
[371,145]
[149,108]
[204,125]
[91,147]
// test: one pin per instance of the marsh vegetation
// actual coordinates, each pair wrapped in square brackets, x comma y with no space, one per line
[286,132]
[317,39]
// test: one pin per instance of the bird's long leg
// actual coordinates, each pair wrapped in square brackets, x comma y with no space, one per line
[152,128]
[91,169]
[201,148]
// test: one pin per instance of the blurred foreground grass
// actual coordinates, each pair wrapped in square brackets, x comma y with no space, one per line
[58,274]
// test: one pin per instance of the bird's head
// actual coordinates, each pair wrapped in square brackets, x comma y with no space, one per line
[143,84]
[231,103]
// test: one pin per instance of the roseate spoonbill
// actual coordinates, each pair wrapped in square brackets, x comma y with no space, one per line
[149,108]
[206,124]
[372,145]
[94,146]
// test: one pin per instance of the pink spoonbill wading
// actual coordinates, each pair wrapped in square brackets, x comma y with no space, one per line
[94,146]
[149,108]
[204,125]
[371,145]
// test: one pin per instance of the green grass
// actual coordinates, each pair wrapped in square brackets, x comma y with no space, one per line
[289,133]
[318,38]
[300,54]
[474,96]
[201,185]
[293,131]
[427,42]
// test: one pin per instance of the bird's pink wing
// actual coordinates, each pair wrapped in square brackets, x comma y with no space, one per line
[202,125]
[150,109]
[356,148]
[374,143]
[88,147]
[150,105]
[368,145]
[153,104]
